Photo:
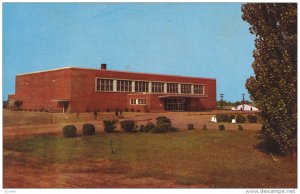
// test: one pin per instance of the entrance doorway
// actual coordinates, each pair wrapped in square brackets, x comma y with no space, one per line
[64,105]
[175,104]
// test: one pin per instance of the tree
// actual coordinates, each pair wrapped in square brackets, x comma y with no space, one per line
[274,86]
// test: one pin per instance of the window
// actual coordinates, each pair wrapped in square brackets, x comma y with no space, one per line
[124,86]
[172,88]
[138,101]
[157,87]
[142,101]
[198,89]
[141,86]
[132,101]
[186,88]
[104,85]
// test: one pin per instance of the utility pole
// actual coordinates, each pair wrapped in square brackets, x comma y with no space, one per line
[243,102]
[221,101]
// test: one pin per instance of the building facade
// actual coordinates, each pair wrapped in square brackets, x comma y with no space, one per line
[73,89]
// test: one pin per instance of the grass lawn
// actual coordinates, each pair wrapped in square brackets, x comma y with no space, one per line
[215,159]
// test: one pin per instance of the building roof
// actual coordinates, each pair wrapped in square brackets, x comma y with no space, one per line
[112,71]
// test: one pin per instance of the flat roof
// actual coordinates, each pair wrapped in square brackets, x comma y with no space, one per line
[112,71]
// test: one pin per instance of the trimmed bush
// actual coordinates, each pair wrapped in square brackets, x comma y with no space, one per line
[221,127]
[162,128]
[127,125]
[240,118]
[190,127]
[149,127]
[117,112]
[142,128]
[173,129]
[240,127]
[107,110]
[109,125]
[222,117]
[163,120]
[252,118]
[230,117]
[88,129]
[126,109]
[69,131]
[204,127]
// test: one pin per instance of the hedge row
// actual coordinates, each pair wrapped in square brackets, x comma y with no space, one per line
[239,118]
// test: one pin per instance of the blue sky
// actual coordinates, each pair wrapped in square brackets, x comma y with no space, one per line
[189,39]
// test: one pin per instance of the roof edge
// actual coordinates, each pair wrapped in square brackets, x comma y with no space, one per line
[43,71]
[114,71]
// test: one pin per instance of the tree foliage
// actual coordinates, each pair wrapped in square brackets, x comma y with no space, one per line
[274,86]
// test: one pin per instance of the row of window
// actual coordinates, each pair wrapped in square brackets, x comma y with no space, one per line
[138,101]
[143,86]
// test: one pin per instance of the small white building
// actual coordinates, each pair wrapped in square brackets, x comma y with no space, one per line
[246,108]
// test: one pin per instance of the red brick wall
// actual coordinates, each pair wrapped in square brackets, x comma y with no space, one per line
[78,85]
[38,90]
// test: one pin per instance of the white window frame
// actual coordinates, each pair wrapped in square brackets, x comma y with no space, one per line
[203,89]
[133,100]
[104,79]
[141,86]
[157,85]
[172,88]
[122,86]
[140,101]
[184,88]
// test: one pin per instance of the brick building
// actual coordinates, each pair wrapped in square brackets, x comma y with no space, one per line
[74,89]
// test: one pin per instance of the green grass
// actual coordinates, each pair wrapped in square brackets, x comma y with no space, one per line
[219,159]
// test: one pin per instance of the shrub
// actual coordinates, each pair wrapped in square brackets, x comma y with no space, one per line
[107,110]
[173,129]
[127,125]
[240,128]
[252,118]
[240,118]
[230,117]
[149,127]
[69,131]
[222,117]
[87,110]
[142,128]
[109,125]
[162,128]
[204,127]
[221,127]
[132,110]
[126,109]
[88,129]
[163,120]
[121,111]
[190,127]
[117,112]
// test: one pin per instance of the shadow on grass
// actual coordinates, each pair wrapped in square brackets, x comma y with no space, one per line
[267,145]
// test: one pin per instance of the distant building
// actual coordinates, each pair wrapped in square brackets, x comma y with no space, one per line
[245,107]
[74,89]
